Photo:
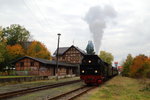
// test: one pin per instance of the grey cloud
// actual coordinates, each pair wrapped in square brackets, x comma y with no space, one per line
[131,34]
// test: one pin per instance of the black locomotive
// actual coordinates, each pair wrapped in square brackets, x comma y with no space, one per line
[94,71]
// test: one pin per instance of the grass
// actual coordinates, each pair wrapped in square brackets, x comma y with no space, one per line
[13,76]
[120,88]
[17,86]
[43,95]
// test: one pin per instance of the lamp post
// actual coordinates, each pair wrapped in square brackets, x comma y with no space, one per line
[57,56]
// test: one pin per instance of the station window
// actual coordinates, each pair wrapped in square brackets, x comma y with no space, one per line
[32,63]
[21,64]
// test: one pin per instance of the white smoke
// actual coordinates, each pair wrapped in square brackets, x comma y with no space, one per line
[97,18]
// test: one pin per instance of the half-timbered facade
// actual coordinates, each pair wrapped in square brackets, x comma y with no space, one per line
[42,67]
[71,54]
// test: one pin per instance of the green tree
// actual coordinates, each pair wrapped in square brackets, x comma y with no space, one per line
[39,50]
[106,56]
[126,65]
[90,48]
[2,50]
[2,55]
[1,34]
[15,34]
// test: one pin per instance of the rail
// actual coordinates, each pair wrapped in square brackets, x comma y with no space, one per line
[29,90]
[72,94]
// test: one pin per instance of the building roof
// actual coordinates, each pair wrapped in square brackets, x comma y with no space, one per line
[62,50]
[45,61]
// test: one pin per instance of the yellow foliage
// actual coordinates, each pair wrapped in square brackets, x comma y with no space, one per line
[39,50]
[140,66]
[15,50]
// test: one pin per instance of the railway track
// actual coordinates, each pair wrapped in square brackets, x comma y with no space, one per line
[72,94]
[30,90]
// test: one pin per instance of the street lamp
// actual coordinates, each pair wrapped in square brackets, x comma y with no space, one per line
[57,56]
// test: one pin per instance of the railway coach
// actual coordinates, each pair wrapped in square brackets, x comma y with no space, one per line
[94,71]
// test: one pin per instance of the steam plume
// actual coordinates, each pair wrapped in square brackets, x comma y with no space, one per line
[97,18]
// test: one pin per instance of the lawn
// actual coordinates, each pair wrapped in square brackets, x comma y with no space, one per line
[120,88]
[7,87]
[13,76]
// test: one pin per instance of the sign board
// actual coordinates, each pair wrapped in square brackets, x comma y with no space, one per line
[116,64]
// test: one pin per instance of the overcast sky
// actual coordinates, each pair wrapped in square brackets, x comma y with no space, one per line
[127,32]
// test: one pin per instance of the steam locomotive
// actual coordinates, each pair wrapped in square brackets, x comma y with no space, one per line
[94,71]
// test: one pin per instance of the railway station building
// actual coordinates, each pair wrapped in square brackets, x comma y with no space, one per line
[69,60]
[41,67]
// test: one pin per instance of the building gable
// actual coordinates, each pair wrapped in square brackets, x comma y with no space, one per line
[63,50]
[72,55]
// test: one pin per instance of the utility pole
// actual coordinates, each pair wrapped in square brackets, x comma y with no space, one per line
[57,56]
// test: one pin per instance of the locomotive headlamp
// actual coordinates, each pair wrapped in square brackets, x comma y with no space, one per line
[95,71]
[82,71]
[90,61]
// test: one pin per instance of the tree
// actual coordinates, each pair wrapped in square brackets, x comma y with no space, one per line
[126,65]
[16,34]
[15,51]
[2,50]
[9,53]
[90,48]
[2,55]
[146,70]
[137,68]
[39,50]
[106,56]
[1,34]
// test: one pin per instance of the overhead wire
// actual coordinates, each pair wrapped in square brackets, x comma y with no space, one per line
[43,14]
[30,6]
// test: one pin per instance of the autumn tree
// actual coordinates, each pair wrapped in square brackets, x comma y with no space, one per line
[15,51]
[39,50]
[126,65]
[9,53]
[15,34]
[106,56]
[90,48]
[146,70]
[138,66]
